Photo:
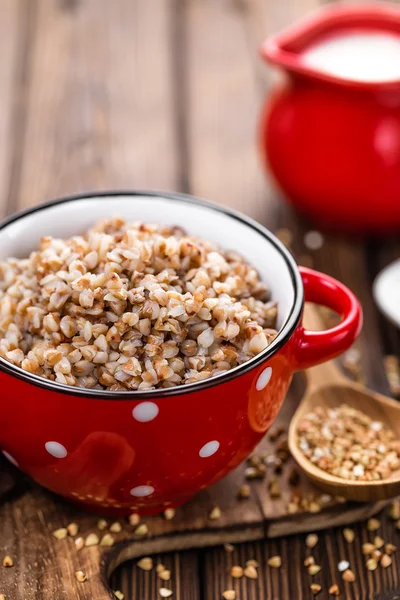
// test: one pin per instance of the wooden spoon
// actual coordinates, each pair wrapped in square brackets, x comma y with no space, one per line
[328,387]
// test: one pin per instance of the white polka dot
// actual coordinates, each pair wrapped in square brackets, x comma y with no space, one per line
[145,411]
[264,378]
[209,449]
[141,491]
[56,449]
[10,458]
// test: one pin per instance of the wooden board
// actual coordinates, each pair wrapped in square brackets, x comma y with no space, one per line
[100,111]
[44,566]
[99,94]
[15,33]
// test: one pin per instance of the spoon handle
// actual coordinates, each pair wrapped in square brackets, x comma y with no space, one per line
[327,372]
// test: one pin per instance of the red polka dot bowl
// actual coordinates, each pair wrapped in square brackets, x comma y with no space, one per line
[124,452]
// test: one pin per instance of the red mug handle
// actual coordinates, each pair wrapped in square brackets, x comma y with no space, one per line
[314,347]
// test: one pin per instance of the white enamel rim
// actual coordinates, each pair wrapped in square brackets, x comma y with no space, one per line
[386,291]
[285,333]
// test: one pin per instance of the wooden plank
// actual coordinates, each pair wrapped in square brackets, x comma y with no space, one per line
[222,109]
[380,253]
[292,581]
[95,109]
[137,584]
[15,38]
[88,126]
[34,516]
[213,171]
[218,564]
[100,104]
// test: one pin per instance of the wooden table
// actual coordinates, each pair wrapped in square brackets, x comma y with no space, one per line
[166,94]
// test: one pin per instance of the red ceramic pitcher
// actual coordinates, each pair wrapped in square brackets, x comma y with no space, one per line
[331,141]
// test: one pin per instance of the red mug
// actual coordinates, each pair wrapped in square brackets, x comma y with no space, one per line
[144,451]
[332,142]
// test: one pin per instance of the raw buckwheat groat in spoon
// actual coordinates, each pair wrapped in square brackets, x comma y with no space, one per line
[132,306]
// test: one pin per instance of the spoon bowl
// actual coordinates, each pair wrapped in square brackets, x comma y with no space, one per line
[327,387]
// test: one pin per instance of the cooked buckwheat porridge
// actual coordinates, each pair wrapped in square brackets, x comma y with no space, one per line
[132,306]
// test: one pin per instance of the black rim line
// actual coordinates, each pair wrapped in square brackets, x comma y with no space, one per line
[283,336]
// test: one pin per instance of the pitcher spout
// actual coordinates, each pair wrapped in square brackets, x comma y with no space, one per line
[356,46]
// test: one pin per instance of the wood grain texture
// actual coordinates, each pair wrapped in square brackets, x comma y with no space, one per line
[224,162]
[99,108]
[349,260]
[15,36]
[45,566]
[292,581]
[166,94]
